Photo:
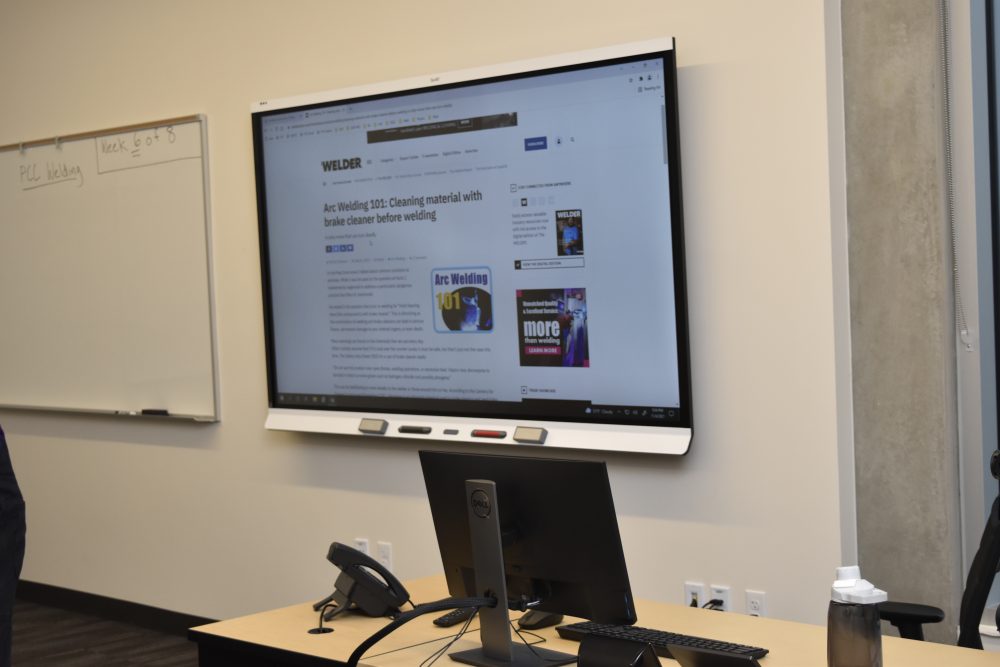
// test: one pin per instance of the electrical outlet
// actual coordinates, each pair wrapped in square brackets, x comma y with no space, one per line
[361,544]
[694,594]
[721,593]
[384,555]
[756,603]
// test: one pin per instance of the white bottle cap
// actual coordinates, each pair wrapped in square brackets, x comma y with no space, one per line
[850,587]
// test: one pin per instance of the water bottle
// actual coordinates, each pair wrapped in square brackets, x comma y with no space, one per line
[853,631]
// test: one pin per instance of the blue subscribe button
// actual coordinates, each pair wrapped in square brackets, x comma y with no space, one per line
[536,143]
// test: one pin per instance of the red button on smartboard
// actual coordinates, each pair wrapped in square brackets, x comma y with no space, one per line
[483,433]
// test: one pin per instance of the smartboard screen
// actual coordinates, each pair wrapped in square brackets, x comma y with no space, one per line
[481,255]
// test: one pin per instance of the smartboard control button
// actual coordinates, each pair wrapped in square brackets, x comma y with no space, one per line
[485,433]
[374,426]
[530,435]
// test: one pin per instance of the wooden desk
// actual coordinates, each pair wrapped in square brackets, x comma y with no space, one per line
[280,637]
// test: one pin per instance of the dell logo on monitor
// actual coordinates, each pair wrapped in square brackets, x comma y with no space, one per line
[481,504]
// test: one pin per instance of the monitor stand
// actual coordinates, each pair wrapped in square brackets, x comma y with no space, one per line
[498,650]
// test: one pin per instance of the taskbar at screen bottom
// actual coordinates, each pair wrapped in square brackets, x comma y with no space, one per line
[541,409]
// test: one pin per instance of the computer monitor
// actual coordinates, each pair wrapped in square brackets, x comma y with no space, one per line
[547,538]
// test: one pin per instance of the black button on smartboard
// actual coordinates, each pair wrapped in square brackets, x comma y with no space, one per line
[415,429]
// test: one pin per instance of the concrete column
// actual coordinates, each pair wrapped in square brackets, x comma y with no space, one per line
[902,331]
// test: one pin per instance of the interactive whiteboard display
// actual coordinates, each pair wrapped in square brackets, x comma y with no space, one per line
[491,255]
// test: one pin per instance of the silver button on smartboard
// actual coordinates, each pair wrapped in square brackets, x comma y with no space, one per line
[373,426]
[530,434]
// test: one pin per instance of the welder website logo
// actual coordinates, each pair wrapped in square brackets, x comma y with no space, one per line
[341,164]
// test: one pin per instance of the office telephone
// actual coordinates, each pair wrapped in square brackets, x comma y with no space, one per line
[363,585]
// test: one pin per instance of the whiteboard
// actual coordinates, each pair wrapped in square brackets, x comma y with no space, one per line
[106,298]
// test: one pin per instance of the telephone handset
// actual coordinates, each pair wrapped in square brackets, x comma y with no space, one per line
[363,585]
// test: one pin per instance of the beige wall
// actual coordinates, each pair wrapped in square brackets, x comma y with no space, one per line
[223,519]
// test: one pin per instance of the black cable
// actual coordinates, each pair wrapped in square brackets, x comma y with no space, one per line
[521,632]
[410,647]
[324,601]
[320,630]
[531,647]
[406,617]
[436,655]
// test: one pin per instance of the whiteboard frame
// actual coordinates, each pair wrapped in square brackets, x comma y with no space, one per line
[201,119]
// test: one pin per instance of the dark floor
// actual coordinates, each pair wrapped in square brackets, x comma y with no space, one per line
[46,636]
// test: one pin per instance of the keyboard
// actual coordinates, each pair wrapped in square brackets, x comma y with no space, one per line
[659,639]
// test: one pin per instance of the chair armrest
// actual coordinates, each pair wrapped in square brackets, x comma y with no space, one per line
[909,617]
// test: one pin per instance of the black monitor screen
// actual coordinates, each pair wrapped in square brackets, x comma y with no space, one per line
[481,250]
[561,546]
